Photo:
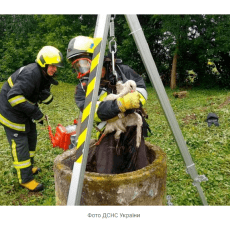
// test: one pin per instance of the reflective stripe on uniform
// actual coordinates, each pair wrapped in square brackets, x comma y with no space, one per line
[143,92]
[14,152]
[142,99]
[16,100]
[96,118]
[15,157]
[102,125]
[22,164]
[102,95]
[19,164]
[100,98]
[15,126]
[48,99]
[32,153]
[143,95]
[10,82]
[10,79]
[11,85]
[32,103]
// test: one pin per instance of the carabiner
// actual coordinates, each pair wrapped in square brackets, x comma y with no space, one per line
[110,45]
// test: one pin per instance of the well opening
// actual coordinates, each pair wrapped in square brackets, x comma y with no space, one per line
[69,162]
[146,186]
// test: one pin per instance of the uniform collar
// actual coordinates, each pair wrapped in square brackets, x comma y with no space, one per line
[51,80]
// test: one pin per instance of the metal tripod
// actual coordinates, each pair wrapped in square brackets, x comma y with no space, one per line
[84,135]
[136,31]
[153,74]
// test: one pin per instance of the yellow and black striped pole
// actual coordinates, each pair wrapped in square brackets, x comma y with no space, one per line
[82,147]
[88,101]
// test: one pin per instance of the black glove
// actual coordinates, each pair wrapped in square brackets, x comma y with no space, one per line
[45,97]
[40,121]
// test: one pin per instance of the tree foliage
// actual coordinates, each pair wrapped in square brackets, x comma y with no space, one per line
[22,36]
[197,38]
[193,38]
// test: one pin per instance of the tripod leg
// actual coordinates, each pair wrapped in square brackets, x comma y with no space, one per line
[155,79]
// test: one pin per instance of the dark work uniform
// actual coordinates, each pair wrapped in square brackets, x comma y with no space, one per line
[109,109]
[106,157]
[19,98]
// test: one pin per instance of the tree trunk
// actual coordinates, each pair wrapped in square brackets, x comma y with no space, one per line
[173,73]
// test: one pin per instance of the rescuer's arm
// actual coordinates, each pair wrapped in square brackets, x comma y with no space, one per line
[129,101]
[18,94]
[106,110]
[45,97]
[110,109]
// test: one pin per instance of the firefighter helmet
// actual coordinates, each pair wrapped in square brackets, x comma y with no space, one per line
[81,45]
[49,55]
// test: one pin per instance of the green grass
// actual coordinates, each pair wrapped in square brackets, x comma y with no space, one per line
[209,147]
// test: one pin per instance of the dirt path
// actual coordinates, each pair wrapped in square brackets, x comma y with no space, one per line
[227,101]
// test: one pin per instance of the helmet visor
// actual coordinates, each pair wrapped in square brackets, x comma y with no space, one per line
[60,63]
[81,65]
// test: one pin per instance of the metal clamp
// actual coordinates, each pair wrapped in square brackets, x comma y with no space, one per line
[187,168]
[169,203]
[199,179]
[135,31]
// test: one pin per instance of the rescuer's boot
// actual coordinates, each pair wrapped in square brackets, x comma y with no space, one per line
[33,186]
[36,170]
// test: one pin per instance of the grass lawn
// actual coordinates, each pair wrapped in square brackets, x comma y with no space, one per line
[208,146]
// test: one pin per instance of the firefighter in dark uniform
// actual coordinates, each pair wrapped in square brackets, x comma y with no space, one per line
[19,111]
[79,53]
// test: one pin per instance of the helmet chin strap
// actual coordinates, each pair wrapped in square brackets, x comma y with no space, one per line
[44,70]
[80,75]
[48,77]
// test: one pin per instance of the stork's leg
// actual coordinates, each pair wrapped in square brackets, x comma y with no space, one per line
[100,139]
[117,134]
[139,125]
